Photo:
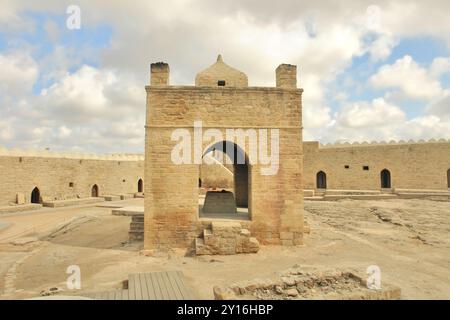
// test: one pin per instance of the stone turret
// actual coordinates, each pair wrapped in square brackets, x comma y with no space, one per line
[286,76]
[221,74]
[159,74]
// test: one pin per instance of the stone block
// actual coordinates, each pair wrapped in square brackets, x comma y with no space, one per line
[20,198]
[286,235]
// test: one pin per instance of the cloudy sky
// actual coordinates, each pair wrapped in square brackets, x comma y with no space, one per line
[371,70]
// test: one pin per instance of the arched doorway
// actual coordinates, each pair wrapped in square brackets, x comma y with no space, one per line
[94,191]
[233,160]
[140,185]
[36,196]
[385,176]
[448,178]
[321,180]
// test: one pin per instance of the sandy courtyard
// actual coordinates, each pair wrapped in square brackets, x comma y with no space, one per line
[408,239]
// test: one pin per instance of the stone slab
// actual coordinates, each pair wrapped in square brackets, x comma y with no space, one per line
[219,202]
[20,208]
[72,202]
[128,211]
[111,197]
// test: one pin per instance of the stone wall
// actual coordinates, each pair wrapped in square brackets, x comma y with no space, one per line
[412,165]
[60,177]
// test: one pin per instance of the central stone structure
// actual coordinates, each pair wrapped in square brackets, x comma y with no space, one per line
[221,100]
[219,202]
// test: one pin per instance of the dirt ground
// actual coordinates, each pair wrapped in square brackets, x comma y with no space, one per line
[408,239]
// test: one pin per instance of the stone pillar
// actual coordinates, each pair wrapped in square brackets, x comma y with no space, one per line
[241,184]
[159,74]
[286,76]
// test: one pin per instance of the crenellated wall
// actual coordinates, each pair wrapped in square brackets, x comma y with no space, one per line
[412,164]
[358,166]
[66,176]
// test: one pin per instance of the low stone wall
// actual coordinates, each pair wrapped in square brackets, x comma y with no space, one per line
[72,202]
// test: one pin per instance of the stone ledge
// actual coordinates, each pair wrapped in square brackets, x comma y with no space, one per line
[20,208]
[71,202]
[128,211]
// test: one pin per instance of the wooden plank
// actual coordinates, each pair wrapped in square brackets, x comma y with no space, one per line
[175,290]
[131,288]
[162,285]
[144,288]
[181,286]
[137,286]
[112,295]
[98,296]
[187,293]
[150,286]
[156,286]
[89,295]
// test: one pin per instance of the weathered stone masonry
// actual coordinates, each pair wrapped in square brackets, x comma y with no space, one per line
[60,177]
[171,190]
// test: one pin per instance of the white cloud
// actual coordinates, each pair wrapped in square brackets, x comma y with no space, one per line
[440,66]
[103,108]
[18,74]
[440,107]
[382,47]
[409,77]
[90,93]
[381,121]
[378,113]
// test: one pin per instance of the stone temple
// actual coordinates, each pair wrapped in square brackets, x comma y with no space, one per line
[221,99]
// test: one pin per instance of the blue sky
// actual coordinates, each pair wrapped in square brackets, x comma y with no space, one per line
[422,49]
[366,77]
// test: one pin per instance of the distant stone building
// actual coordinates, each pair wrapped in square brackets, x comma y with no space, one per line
[37,177]
[376,166]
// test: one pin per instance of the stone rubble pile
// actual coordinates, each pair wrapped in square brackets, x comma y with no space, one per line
[299,284]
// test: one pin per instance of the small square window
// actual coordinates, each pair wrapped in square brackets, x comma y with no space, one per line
[347,167]
[71,184]
[124,180]
[366,168]
[221,83]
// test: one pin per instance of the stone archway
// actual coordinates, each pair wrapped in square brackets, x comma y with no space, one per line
[94,191]
[448,178]
[230,153]
[36,195]
[140,185]
[385,176]
[321,180]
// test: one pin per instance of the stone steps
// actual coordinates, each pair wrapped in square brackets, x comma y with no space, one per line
[136,232]
[225,238]
[361,197]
